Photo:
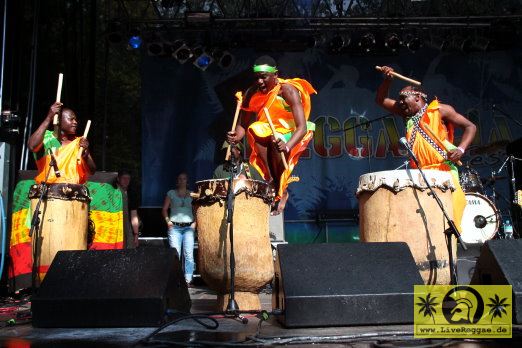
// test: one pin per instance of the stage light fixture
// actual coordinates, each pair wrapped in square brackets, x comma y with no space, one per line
[203,61]
[155,49]
[393,42]
[439,42]
[462,43]
[114,32]
[481,43]
[135,42]
[339,42]
[413,42]
[226,60]
[367,42]
[183,53]
[316,41]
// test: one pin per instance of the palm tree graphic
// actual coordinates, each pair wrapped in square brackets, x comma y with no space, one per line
[497,307]
[427,305]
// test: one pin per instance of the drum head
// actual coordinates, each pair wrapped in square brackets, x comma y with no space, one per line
[480,220]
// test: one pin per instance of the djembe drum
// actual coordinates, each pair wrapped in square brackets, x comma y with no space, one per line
[396,206]
[63,222]
[252,249]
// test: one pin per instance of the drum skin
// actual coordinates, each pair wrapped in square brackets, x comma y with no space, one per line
[394,206]
[64,223]
[252,248]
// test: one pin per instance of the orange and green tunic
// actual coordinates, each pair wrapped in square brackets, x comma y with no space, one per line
[430,151]
[105,210]
[284,124]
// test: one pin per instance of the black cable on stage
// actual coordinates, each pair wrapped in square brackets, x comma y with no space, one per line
[194,317]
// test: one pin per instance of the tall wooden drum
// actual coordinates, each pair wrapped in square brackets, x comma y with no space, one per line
[63,222]
[395,206]
[252,249]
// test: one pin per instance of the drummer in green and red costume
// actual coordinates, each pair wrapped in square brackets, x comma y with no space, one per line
[288,102]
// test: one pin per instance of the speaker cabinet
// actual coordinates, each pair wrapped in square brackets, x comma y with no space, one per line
[344,284]
[111,288]
[500,263]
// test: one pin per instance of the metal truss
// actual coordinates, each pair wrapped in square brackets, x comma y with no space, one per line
[315,16]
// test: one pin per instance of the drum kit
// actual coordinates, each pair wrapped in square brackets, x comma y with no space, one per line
[482,219]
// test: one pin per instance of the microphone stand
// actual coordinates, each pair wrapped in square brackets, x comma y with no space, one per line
[451,230]
[34,232]
[494,107]
[367,122]
[232,307]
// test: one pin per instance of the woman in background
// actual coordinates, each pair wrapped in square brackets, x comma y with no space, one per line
[181,224]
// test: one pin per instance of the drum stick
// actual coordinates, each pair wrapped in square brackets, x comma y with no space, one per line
[434,136]
[58,99]
[85,133]
[402,77]
[274,133]
[239,97]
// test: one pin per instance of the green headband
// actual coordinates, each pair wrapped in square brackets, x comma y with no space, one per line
[265,68]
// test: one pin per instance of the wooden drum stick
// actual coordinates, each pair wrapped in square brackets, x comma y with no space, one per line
[58,99]
[441,143]
[239,97]
[275,134]
[85,133]
[399,76]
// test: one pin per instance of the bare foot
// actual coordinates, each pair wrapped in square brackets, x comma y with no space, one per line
[280,207]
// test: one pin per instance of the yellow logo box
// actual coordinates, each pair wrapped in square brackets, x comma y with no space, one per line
[462,311]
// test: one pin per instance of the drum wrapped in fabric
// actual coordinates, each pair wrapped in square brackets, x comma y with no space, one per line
[63,221]
[395,206]
[252,249]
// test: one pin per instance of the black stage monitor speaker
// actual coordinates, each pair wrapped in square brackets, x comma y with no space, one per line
[110,288]
[500,263]
[344,284]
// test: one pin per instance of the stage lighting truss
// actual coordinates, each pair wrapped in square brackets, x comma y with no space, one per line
[392,42]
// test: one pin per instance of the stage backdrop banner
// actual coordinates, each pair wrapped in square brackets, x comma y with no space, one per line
[186,113]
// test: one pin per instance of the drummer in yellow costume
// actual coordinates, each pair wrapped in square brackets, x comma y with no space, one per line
[288,103]
[64,148]
[429,130]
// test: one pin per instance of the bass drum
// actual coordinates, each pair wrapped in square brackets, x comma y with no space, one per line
[480,221]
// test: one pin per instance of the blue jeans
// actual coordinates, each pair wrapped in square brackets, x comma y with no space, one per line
[184,237]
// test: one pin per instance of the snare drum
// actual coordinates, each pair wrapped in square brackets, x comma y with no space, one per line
[63,222]
[470,181]
[252,248]
[394,206]
[480,221]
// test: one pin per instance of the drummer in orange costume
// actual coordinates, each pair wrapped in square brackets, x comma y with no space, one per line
[429,129]
[288,103]
[65,149]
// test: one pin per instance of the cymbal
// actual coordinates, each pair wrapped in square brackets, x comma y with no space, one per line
[492,147]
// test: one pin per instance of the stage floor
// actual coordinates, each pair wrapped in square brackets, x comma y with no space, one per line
[233,332]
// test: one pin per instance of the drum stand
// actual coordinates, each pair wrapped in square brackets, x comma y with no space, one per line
[34,232]
[451,230]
